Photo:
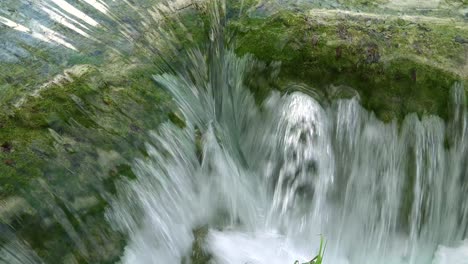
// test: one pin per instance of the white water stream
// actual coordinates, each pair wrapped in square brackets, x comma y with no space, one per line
[266,181]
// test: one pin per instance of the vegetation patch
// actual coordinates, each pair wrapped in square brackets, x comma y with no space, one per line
[61,151]
[396,66]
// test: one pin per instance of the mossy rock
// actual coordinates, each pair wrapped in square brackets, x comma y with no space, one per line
[69,141]
[64,145]
[397,66]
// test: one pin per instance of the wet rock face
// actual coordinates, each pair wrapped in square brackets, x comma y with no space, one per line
[6,147]
[461,40]
[372,53]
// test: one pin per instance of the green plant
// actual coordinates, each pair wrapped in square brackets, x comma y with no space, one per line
[319,258]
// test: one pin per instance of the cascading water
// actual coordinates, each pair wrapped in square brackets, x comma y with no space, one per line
[266,181]
[240,182]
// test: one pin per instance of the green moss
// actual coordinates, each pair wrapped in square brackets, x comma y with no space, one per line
[236,8]
[397,67]
[199,256]
[187,29]
[77,136]
[458,3]
[78,58]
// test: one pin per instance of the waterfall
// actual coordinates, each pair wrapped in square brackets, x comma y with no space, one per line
[240,179]
[266,180]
